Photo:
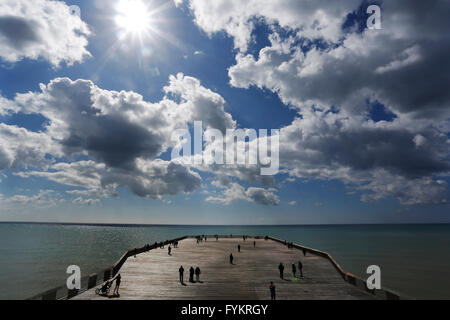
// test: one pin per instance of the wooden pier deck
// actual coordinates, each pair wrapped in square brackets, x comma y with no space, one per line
[154,275]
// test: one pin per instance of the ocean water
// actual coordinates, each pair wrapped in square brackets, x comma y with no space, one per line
[414,259]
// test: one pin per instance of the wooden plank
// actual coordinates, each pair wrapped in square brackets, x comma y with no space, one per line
[154,275]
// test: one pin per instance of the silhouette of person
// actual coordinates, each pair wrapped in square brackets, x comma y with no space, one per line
[294,270]
[239,248]
[243,238]
[273,292]
[197,273]
[181,271]
[254,244]
[191,274]
[281,268]
[300,268]
[231,258]
[118,281]
[170,250]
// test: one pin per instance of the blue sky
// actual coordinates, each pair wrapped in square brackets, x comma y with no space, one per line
[363,139]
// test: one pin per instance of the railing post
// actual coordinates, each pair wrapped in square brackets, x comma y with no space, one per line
[72,293]
[92,282]
[50,295]
[107,275]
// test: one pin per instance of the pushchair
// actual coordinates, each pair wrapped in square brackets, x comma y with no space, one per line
[104,289]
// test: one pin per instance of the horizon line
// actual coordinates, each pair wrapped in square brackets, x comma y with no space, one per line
[102,224]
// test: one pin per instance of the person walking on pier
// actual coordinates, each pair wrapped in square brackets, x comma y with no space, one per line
[118,281]
[281,269]
[294,270]
[239,248]
[197,274]
[181,271]
[170,250]
[273,292]
[254,244]
[231,258]
[191,275]
[300,269]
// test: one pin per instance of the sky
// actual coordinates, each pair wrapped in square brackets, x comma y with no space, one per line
[91,92]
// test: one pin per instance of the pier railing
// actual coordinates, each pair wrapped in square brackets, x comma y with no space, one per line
[348,277]
[94,280]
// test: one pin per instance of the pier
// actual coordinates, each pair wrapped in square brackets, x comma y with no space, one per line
[153,274]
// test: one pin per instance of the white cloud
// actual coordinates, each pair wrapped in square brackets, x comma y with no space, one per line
[41,29]
[234,192]
[333,76]
[375,65]
[200,103]
[408,192]
[316,19]
[86,202]
[7,106]
[20,148]
[121,133]
[43,200]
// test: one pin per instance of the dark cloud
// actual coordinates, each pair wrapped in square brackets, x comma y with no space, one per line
[112,140]
[19,31]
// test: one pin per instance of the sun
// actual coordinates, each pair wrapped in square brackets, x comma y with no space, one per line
[133,16]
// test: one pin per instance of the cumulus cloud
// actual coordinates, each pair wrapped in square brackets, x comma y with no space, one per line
[333,75]
[233,192]
[263,196]
[200,103]
[316,19]
[404,65]
[41,29]
[380,157]
[122,134]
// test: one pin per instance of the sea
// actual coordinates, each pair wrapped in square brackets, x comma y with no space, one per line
[414,259]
